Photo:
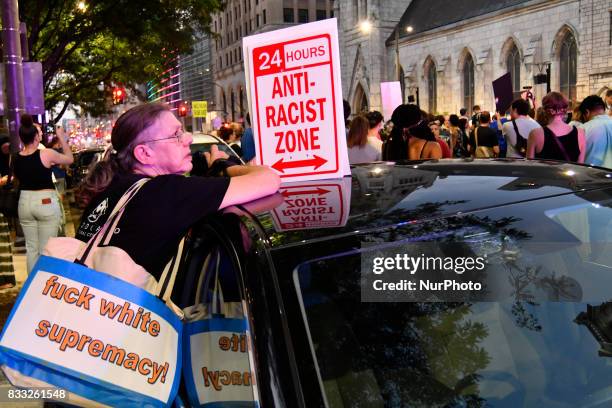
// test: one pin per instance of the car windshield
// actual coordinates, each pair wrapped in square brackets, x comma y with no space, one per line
[544,344]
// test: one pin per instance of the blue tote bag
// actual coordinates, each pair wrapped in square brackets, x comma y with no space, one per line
[216,360]
[100,339]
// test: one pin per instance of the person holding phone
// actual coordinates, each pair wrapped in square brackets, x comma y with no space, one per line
[39,207]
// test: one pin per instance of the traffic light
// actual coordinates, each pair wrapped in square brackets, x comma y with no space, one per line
[118,95]
[182,110]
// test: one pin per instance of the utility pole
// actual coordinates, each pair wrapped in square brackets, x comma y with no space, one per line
[15,95]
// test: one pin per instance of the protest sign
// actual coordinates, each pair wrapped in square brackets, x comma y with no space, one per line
[94,335]
[295,100]
[315,204]
[502,89]
[199,109]
[391,96]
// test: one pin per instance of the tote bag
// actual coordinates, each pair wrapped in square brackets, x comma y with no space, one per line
[482,151]
[216,361]
[105,337]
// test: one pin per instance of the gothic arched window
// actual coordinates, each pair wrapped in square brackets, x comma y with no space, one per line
[432,87]
[513,64]
[468,82]
[568,62]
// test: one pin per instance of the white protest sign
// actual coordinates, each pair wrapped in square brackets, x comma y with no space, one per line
[391,95]
[97,335]
[295,100]
[314,204]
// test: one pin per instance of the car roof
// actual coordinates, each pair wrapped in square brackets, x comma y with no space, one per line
[203,138]
[387,194]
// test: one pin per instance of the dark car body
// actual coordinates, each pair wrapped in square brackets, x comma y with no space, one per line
[83,160]
[316,343]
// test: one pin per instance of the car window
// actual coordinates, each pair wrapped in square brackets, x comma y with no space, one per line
[545,345]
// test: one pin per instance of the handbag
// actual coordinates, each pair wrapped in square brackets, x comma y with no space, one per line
[482,151]
[216,359]
[107,336]
[9,195]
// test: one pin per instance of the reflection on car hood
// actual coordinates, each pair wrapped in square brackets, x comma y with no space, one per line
[387,194]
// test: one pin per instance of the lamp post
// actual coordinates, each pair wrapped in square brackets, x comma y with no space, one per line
[13,69]
[366,28]
[398,73]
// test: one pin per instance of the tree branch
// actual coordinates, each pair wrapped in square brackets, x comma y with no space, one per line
[67,103]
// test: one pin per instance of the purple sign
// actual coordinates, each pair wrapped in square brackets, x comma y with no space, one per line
[33,86]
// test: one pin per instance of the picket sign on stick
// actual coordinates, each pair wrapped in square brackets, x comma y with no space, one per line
[94,335]
[295,100]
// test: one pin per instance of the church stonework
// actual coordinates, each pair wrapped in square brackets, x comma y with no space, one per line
[569,37]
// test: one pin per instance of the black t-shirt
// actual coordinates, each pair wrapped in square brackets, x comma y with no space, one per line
[486,137]
[157,217]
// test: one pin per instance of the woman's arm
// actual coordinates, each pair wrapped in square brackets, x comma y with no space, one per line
[53,157]
[249,183]
[581,145]
[533,142]
[435,151]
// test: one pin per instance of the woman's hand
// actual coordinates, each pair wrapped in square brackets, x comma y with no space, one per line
[214,154]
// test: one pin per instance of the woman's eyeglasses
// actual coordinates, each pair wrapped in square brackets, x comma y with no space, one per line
[178,136]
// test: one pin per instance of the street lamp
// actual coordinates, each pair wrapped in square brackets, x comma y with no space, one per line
[365,27]
[82,6]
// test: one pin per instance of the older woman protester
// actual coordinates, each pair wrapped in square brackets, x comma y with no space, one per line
[150,142]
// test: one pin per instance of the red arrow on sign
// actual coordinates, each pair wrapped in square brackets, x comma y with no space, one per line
[318,191]
[316,161]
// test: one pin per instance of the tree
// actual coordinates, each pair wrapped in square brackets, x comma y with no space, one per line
[84,46]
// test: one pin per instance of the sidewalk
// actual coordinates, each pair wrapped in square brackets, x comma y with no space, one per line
[7,300]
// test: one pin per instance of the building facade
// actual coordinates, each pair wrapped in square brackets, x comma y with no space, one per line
[242,18]
[455,49]
[196,74]
[363,55]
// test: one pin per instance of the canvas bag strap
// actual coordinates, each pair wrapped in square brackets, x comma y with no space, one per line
[204,282]
[113,219]
[168,276]
[516,130]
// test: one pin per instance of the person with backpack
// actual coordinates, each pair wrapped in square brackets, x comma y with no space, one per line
[517,130]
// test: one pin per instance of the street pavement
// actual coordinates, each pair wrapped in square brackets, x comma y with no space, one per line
[8,297]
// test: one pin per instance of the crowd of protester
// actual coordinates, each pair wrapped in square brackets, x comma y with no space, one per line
[582,134]
[555,130]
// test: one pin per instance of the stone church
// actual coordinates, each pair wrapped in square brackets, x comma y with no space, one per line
[449,52]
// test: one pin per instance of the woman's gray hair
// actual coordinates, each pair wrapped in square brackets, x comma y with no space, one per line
[120,159]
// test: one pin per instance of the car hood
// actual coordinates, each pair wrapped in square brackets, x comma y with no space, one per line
[380,195]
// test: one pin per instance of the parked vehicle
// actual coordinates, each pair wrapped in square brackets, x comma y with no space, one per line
[83,159]
[544,226]
[202,143]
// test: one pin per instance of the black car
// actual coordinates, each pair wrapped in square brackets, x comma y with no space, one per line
[540,337]
[83,160]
